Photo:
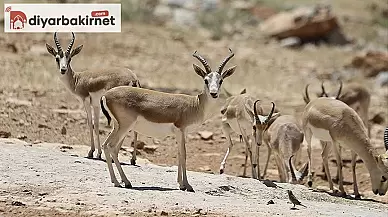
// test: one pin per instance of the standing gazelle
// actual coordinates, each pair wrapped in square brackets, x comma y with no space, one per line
[244,115]
[333,121]
[159,114]
[88,86]
[284,137]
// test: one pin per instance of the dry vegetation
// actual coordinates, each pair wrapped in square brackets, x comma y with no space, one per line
[161,56]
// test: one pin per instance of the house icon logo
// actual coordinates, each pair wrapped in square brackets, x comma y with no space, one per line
[17,19]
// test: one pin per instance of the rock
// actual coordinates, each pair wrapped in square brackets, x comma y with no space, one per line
[290,42]
[371,63]
[63,130]
[22,136]
[270,202]
[184,17]
[378,119]
[163,13]
[164,213]
[18,102]
[306,23]
[17,203]
[66,147]
[5,134]
[150,148]
[205,169]
[139,144]
[43,126]
[382,79]
[206,135]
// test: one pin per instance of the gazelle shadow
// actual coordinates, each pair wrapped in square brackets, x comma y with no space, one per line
[347,196]
[122,163]
[150,188]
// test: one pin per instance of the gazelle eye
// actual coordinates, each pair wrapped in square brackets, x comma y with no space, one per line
[206,82]
[383,179]
[254,128]
[221,81]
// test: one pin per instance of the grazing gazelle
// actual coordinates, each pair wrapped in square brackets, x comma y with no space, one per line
[284,137]
[88,86]
[242,114]
[358,98]
[159,114]
[333,121]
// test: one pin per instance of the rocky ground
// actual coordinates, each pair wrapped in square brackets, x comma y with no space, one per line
[55,178]
[35,107]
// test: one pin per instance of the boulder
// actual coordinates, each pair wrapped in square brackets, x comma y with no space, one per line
[305,23]
[371,63]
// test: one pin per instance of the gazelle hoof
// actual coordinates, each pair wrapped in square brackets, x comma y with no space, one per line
[310,183]
[221,171]
[133,162]
[90,154]
[116,184]
[98,156]
[182,188]
[128,185]
[357,196]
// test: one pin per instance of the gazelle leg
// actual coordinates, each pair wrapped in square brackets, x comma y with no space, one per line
[269,152]
[88,110]
[325,155]
[182,145]
[355,186]
[121,132]
[107,152]
[226,129]
[245,162]
[308,135]
[116,149]
[339,165]
[337,176]
[133,159]
[96,124]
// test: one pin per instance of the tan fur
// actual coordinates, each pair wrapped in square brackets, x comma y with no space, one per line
[237,115]
[284,136]
[345,128]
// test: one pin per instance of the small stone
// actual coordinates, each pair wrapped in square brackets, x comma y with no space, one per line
[150,148]
[43,126]
[206,135]
[378,119]
[17,203]
[63,130]
[270,202]
[21,137]
[164,213]
[5,134]
[139,144]
[66,147]
[205,169]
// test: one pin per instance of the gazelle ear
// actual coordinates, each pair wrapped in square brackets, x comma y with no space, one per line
[199,71]
[229,72]
[51,50]
[76,51]
[273,118]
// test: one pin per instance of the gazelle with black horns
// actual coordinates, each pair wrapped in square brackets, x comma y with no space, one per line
[284,137]
[88,86]
[333,121]
[159,114]
[245,116]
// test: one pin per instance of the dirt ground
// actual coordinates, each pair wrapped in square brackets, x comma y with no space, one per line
[35,106]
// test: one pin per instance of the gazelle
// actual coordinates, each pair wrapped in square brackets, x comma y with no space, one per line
[333,121]
[88,86]
[358,98]
[159,114]
[284,137]
[244,115]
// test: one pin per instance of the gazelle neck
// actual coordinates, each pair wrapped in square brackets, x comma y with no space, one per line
[206,105]
[69,78]
[368,155]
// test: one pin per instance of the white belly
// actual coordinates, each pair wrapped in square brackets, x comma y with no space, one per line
[321,134]
[156,130]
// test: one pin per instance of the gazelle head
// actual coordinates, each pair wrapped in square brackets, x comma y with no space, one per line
[259,125]
[63,58]
[297,176]
[381,180]
[323,93]
[213,79]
